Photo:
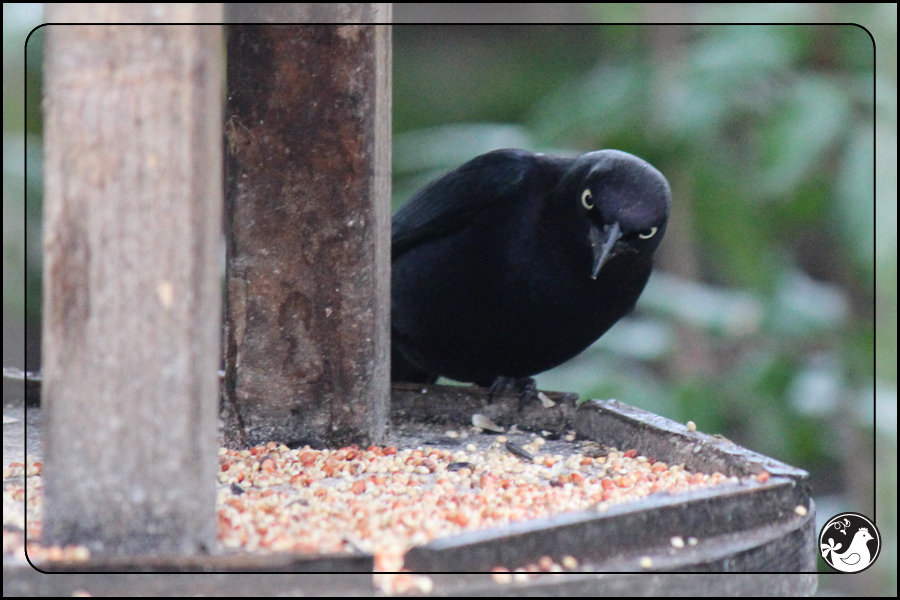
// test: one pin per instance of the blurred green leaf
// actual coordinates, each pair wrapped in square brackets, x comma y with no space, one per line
[855,195]
[596,106]
[718,310]
[812,117]
[448,146]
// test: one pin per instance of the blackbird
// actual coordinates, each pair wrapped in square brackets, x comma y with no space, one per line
[515,262]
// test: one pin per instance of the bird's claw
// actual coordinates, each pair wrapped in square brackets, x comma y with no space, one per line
[525,385]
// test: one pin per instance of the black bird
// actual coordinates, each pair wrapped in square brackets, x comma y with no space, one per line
[515,262]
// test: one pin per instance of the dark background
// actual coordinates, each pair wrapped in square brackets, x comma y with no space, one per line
[760,321]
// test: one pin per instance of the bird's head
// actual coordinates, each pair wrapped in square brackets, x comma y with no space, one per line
[624,201]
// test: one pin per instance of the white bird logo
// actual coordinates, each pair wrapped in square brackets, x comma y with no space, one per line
[853,559]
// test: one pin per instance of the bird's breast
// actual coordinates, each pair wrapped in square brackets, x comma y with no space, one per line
[486,302]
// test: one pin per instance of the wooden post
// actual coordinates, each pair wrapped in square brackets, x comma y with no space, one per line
[307,183]
[132,266]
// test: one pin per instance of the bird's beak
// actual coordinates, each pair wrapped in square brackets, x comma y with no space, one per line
[601,244]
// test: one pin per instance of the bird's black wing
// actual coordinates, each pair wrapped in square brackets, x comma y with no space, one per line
[452,201]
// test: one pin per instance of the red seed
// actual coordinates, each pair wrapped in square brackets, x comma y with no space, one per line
[458,518]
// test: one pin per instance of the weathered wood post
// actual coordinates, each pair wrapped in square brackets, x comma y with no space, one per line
[132,289]
[307,183]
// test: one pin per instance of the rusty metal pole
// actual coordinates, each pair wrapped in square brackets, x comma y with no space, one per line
[307,179]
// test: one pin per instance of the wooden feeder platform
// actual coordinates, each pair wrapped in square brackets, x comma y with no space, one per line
[741,529]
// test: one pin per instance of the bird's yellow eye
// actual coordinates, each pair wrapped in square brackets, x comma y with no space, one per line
[646,235]
[586,196]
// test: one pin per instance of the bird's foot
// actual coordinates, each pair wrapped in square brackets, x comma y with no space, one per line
[525,385]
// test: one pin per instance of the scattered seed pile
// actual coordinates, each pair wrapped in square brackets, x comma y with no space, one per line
[384,500]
